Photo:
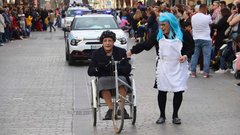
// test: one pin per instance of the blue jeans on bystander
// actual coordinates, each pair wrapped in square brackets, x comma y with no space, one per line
[205,46]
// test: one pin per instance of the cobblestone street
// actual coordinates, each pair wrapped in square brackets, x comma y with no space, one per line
[40,94]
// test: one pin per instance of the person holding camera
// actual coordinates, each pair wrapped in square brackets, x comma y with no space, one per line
[101,67]
[203,42]
[233,21]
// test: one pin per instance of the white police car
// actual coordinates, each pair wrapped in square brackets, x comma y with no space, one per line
[72,12]
[83,35]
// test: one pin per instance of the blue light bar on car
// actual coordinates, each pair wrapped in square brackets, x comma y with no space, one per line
[78,12]
[108,11]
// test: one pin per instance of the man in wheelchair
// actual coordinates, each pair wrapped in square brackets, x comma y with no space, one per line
[101,67]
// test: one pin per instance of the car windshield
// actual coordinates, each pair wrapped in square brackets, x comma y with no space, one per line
[94,23]
[72,13]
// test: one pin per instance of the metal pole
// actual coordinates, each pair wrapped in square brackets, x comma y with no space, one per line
[116,79]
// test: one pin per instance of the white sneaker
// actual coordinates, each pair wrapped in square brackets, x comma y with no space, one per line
[227,70]
[200,72]
[220,71]
[232,71]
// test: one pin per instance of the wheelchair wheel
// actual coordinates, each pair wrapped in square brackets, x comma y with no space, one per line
[118,115]
[133,107]
[94,109]
[94,116]
[134,114]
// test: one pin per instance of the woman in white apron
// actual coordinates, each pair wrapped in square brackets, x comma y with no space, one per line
[175,46]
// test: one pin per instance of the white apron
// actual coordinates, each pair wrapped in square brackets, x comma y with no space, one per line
[171,75]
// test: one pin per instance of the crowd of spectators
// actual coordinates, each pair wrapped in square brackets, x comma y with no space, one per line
[143,20]
[16,23]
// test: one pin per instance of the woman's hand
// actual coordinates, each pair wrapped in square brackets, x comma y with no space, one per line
[215,33]
[234,11]
[182,58]
[129,54]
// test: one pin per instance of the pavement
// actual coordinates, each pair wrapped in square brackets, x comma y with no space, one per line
[40,94]
[34,98]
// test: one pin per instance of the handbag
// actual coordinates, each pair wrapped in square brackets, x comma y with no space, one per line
[46,20]
[237,64]
[228,31]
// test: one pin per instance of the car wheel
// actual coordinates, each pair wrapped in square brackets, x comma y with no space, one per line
[67,55]
[70,60]
[67,51]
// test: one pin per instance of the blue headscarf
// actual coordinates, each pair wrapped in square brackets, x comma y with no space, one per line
[174,26]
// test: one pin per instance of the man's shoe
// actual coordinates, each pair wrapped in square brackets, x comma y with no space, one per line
[206,75]
[108,115]
[232,71]
[126,115]
[201,72]
[160,120]
[238,84]
[176,121]
[193,75]
[220,71]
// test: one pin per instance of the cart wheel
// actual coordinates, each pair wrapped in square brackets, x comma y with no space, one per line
[118,115]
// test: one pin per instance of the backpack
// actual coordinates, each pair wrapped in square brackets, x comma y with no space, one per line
[46,20]
[228,52]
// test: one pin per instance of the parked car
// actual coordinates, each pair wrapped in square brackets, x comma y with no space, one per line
[83,35]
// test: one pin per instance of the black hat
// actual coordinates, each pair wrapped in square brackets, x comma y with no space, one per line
[108,34]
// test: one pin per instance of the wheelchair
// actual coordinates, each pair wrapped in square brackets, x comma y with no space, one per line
[119,102]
